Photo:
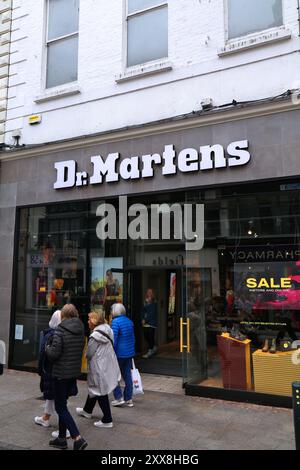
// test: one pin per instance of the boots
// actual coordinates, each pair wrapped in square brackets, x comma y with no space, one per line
[265,346]
[273,346]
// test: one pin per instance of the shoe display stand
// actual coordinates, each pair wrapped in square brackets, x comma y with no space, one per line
[274,373]
[236,362]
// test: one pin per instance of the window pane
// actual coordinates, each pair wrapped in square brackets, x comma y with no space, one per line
[148,37]
[136,5]
[62,62]
[248,16]
[63,18]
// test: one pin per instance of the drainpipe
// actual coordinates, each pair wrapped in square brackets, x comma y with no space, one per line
[5,42]
[298,8]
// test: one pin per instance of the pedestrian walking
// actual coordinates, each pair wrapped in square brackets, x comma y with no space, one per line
[124,344]
[64,350]
[149,322]
[103,369]
[45,372]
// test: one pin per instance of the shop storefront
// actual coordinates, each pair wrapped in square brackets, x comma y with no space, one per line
[228,312]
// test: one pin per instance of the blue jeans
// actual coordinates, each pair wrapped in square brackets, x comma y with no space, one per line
[61,394]
[125,367]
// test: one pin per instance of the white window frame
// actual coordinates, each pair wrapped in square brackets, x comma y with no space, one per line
[159,6]
[255,39]
[52,41]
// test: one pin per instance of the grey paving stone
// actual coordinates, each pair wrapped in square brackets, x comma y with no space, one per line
[158,421]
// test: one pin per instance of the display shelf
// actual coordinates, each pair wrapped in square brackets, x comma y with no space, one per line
[236,362]
[274,373]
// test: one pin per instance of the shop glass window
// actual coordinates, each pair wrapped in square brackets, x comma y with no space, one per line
[147,31]
[240,292]
[249,16]
[243,300]
[62,42]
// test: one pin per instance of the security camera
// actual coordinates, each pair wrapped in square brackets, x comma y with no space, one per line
[16,134]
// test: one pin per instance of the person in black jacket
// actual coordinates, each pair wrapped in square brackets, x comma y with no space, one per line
[65,352]
[45,372]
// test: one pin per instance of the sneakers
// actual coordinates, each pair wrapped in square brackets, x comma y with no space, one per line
[118,402]
[236,334]
[41,421]
[55,434]
[81,444]
[121,402]
[81,412]
[59,443]
[272,349]
[149,354]
[129,403]
[99,424]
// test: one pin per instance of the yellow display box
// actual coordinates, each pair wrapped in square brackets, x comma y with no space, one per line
[274,373]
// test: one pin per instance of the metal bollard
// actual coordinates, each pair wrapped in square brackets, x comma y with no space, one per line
[2,356]
[296,408]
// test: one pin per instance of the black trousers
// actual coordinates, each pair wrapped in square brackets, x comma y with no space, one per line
[104,405]
[149,334]
[62,390]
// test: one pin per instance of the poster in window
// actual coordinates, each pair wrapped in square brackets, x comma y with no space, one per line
[267,286]
[172,294]
[106,284]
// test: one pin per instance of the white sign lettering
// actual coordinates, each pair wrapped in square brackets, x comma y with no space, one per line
[189,160]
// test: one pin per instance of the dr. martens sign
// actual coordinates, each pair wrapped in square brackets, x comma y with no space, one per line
[169,162]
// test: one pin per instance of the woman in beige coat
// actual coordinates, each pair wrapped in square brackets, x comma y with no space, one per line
[103,369]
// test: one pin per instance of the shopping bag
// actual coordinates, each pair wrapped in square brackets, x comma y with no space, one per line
[136,380]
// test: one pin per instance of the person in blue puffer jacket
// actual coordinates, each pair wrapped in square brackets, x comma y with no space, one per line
[124,344]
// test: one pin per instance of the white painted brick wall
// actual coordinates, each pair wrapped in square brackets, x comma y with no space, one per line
[196,33]
[5,28]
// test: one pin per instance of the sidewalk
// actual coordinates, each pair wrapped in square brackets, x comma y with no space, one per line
[159,420]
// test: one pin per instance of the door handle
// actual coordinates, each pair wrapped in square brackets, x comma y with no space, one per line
[186,324]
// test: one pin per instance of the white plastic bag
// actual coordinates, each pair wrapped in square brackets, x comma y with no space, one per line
[136,380]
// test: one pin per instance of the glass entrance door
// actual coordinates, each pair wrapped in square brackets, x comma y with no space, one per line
[197,289]
[163,357]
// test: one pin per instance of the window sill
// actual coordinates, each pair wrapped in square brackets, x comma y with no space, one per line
[139,71]
[57,93]
[257,40]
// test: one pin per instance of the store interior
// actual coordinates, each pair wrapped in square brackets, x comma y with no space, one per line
[241,332]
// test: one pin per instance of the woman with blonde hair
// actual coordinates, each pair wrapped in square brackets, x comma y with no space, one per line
[103,369]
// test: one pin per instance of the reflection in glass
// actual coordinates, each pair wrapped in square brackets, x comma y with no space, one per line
[62,62]
[63,18]
[137,5]
[240,293]
[249,16]
[147,37]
